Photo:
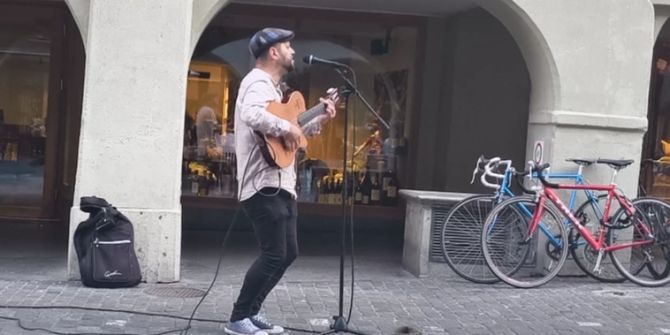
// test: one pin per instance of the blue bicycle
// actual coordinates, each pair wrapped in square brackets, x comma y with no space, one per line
[461,231]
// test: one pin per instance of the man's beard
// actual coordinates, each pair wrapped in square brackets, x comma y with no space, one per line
[289,66]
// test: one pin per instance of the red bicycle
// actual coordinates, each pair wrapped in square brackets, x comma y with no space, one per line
[525,243]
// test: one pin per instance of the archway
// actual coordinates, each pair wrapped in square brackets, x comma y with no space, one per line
[656,145]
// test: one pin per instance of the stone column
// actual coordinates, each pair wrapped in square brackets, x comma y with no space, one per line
[602,76]
[600,55]
[131,138]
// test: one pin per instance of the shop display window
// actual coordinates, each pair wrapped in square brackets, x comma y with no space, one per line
[383,60]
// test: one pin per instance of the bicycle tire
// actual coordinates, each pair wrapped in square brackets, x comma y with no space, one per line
[519,273]
[655,253]
[583,254]
[461,239]
[658,212]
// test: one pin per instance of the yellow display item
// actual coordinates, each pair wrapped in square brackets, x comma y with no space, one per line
[197,168]
[666,148]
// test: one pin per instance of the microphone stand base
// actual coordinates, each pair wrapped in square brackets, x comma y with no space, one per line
[340,326]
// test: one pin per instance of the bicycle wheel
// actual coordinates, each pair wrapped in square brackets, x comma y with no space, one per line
[657,213]
[645,264]
[590,214]
[461,239]
[518,257]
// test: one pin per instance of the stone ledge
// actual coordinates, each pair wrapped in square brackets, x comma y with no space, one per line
[432,197]
[589,120]
[418,224]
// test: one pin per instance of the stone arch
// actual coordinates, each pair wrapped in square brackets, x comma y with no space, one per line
[545,92]
[79,10]
[536,52]
[203,12]
[661,15]
[534,47]
[651,148]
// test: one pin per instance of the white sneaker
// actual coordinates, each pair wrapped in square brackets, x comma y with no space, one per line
[262,323]
[243,327]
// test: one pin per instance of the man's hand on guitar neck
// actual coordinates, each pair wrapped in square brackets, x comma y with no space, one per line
[331,111]
[291,140]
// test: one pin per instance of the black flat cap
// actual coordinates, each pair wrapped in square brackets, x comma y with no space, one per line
[266,37]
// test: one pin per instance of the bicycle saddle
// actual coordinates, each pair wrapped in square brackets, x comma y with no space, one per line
[616,163]
[581,161]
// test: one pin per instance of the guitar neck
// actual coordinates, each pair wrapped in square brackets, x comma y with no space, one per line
[310,114]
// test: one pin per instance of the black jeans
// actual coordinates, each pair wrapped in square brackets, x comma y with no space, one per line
[275,225]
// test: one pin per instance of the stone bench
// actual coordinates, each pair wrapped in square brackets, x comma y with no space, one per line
[418,224]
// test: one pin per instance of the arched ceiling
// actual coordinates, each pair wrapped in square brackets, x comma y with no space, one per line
[417,7]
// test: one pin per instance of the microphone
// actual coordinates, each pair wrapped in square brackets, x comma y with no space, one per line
[311,59]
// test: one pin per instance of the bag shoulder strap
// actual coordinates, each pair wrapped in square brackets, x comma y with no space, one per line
[92,204]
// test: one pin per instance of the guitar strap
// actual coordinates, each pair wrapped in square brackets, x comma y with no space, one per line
[265,149]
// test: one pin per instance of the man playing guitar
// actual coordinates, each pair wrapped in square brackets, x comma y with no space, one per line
[267,192]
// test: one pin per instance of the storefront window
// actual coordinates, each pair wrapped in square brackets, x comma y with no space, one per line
[209,153]
[383,60]
[24,78]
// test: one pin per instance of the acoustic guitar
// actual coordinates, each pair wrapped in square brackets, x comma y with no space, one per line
[274,150]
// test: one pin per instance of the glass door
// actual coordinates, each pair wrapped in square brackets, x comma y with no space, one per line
[28,101]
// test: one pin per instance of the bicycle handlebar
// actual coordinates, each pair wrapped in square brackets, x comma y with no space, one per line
[539,168]
[487,170]
[480,160]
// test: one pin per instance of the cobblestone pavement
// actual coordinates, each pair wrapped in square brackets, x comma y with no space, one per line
[386,298]
[439,305]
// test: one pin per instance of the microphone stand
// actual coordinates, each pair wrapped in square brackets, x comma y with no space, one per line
[354,88]
[340,324]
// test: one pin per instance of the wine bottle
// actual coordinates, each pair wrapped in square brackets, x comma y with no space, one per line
[358,193]
[319,191]
[331,190]
[193,178]
[349,195]
[202,183]
[375,191]
[385,180]
[325,185]
[366,187]
[392,191]
[338,191]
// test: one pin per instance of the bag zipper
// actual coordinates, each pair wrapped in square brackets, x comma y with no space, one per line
[98,242]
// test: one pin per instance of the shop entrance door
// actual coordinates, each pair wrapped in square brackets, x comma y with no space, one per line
[30,87]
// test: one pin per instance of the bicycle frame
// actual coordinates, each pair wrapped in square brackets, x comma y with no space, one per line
[577,177]
[596,243]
